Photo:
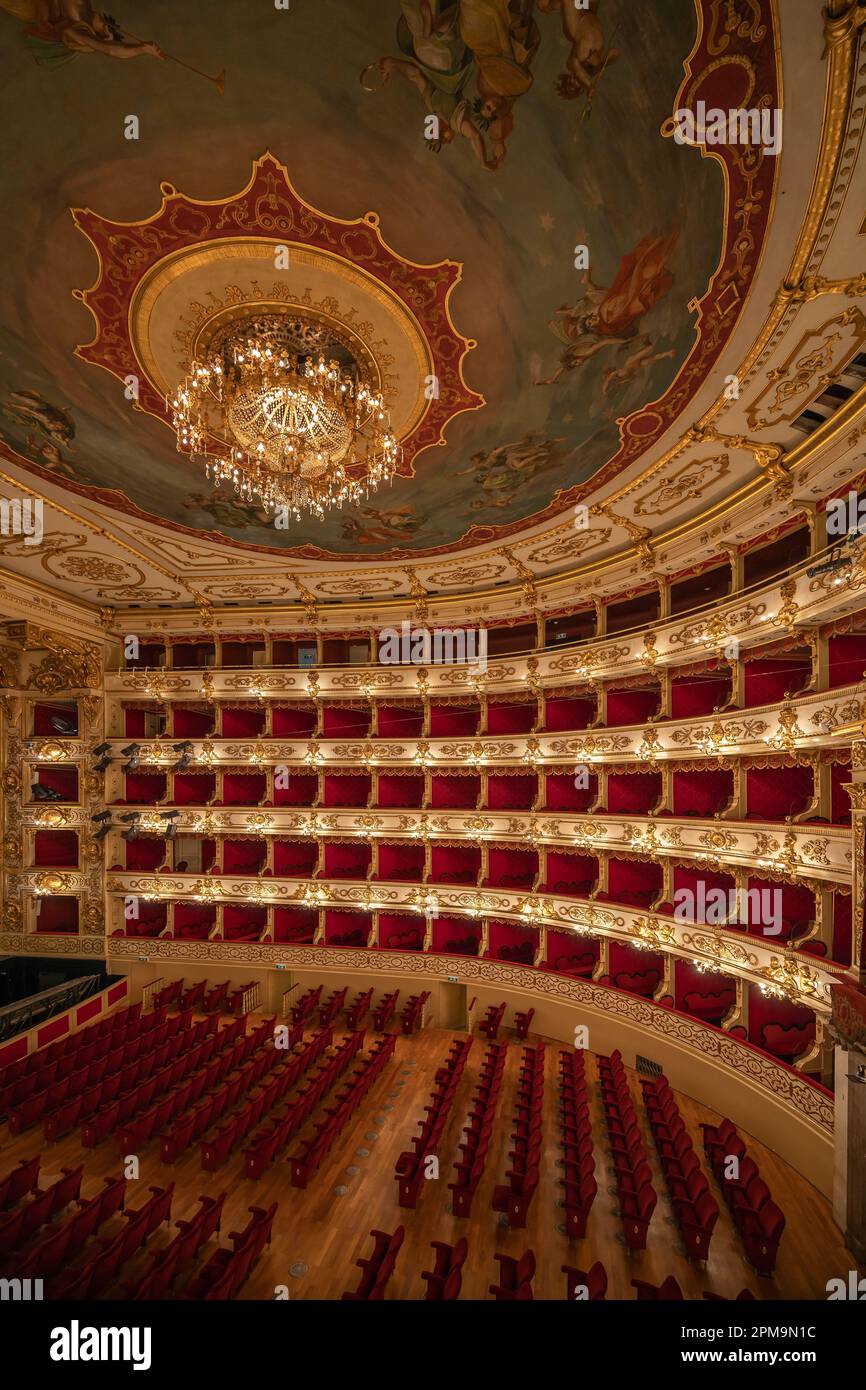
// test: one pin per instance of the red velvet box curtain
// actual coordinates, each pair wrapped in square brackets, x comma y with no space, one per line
[633,883]
[568,953]
[192,723]
[295,924]
[302,789]
[633,793]
[244,788]
[767,680]
[244,857]
[701,793]
[631,706]
[511,868]
[295,858]
[454,793]
[293,721]
[43,715]
[347,928]
[57,848]
[847,658]
[194,921]
[242,722]
[347,789]
[347,861]
[450,721]
[404,863]
[244,921]
[772,793]
[508,941]
[145,853]
[565,712]
[695,694]
[511,793]
[57,913]
[145,788]
[780,1027]
[572,874]
[401,931]
[637,972]
[455,864]
[344,721]
[561,794]
[193,788]
[456,936]
[511,717]
[63,780]
[400,721]
[402,792]
[703,995]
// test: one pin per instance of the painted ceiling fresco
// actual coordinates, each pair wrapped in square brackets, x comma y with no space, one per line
[550,138]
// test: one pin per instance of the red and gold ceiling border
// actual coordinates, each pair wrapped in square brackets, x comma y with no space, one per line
[735,59]
[270,208]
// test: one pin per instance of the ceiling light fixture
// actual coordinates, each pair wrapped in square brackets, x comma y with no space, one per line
[269,413]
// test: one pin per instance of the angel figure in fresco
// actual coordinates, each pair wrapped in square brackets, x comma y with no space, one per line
[641,356]
[380,527]
[609,317]
[588,58]
[46,453]
[470,61]
[31,409]
[228,510]
[503,471]
[57,30]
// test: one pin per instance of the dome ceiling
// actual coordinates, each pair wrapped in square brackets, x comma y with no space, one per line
[458,257]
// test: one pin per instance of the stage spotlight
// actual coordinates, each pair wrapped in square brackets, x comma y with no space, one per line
[130,750]
[101,833]
[102,765]
[132,765]
[131,815]
[182,747]
[170,832]
[130,834]
[101,816]
[100,749]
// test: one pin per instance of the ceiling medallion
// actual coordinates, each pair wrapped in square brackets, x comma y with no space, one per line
[271,414]
[308,389]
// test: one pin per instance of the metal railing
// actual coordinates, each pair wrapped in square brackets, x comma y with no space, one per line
[36,1008]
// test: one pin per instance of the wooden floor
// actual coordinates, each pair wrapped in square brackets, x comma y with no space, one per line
[320,1232]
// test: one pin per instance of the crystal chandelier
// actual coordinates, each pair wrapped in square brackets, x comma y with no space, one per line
[269,413]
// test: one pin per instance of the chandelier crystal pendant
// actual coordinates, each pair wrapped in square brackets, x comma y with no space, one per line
[278,422]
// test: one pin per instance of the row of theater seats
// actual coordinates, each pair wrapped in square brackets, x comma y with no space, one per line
[695,1208]
[411,1167]
[469,1170]
[637,1196]
[195,1056]
[31,1079]
[270,1140]
[304,1163]
[578,1164]
[758,1219]
[514,1197]
[79,1096]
